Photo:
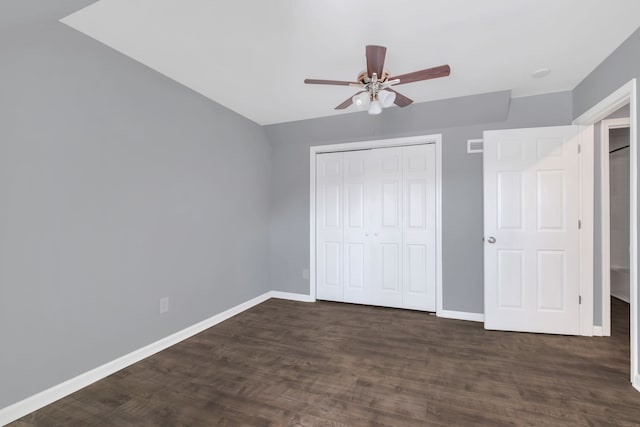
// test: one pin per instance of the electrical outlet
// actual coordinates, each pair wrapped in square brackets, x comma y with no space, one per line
[164,305]
[305,274]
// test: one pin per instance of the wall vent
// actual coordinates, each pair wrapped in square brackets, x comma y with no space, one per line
[474,145]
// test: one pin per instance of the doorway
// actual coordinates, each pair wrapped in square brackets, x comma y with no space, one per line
[627,94]
[615,226]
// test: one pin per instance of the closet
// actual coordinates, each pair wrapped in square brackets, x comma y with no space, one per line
[619,212]
[376,227]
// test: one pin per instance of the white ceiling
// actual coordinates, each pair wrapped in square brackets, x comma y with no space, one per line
[253,55]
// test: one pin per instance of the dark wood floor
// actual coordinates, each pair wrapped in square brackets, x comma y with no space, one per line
[290,363]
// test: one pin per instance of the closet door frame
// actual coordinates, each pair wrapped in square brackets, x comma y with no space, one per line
[435,139]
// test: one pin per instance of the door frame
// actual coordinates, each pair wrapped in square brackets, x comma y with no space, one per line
[365,145]
[627,94]
[605,217]
[586,151]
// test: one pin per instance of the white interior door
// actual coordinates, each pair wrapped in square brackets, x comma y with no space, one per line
[531,225]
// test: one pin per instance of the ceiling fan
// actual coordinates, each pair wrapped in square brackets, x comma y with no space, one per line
[375,83]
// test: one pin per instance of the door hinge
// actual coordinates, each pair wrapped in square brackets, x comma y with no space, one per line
[579,299]
[579,148]
[579,225]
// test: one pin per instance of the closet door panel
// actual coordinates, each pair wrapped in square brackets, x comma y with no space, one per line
[385,231]
[419,239]
[356,213]
[329,226]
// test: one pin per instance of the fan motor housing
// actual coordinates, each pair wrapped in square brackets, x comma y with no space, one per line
[364,78]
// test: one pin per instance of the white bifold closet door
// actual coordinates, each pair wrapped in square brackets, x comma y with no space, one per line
[376,228]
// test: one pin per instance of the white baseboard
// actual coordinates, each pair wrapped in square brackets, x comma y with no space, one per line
[621,297]
[597,331]
[291,296]
[461,315]
[636,382]
[50,395]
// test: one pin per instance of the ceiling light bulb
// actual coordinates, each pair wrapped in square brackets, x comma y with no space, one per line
[361,100]
[386,98]
[375,107]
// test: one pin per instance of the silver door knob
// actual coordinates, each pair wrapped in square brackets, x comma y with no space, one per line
[491,239]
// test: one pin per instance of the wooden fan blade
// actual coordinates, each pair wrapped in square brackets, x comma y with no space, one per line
[429,73]
[330,82]
[401,100]
[346,103]
[375,59]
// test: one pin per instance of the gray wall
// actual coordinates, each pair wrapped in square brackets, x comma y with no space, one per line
[118,186]
[616,70]
[457,120]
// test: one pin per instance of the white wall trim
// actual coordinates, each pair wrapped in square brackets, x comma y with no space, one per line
[621,298]
[607,106]
[378,143]
[633,130]
[625,94]
[461,315]
[291,296]
[50,395]
[586,141]
[312,222]
[636,382]
[362,145]
[605,231]
[439,284]
[605,218]
[597,331]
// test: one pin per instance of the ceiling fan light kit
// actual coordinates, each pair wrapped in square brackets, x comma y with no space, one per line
[386,98]
[374,105]
[375,83]
[361,100]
